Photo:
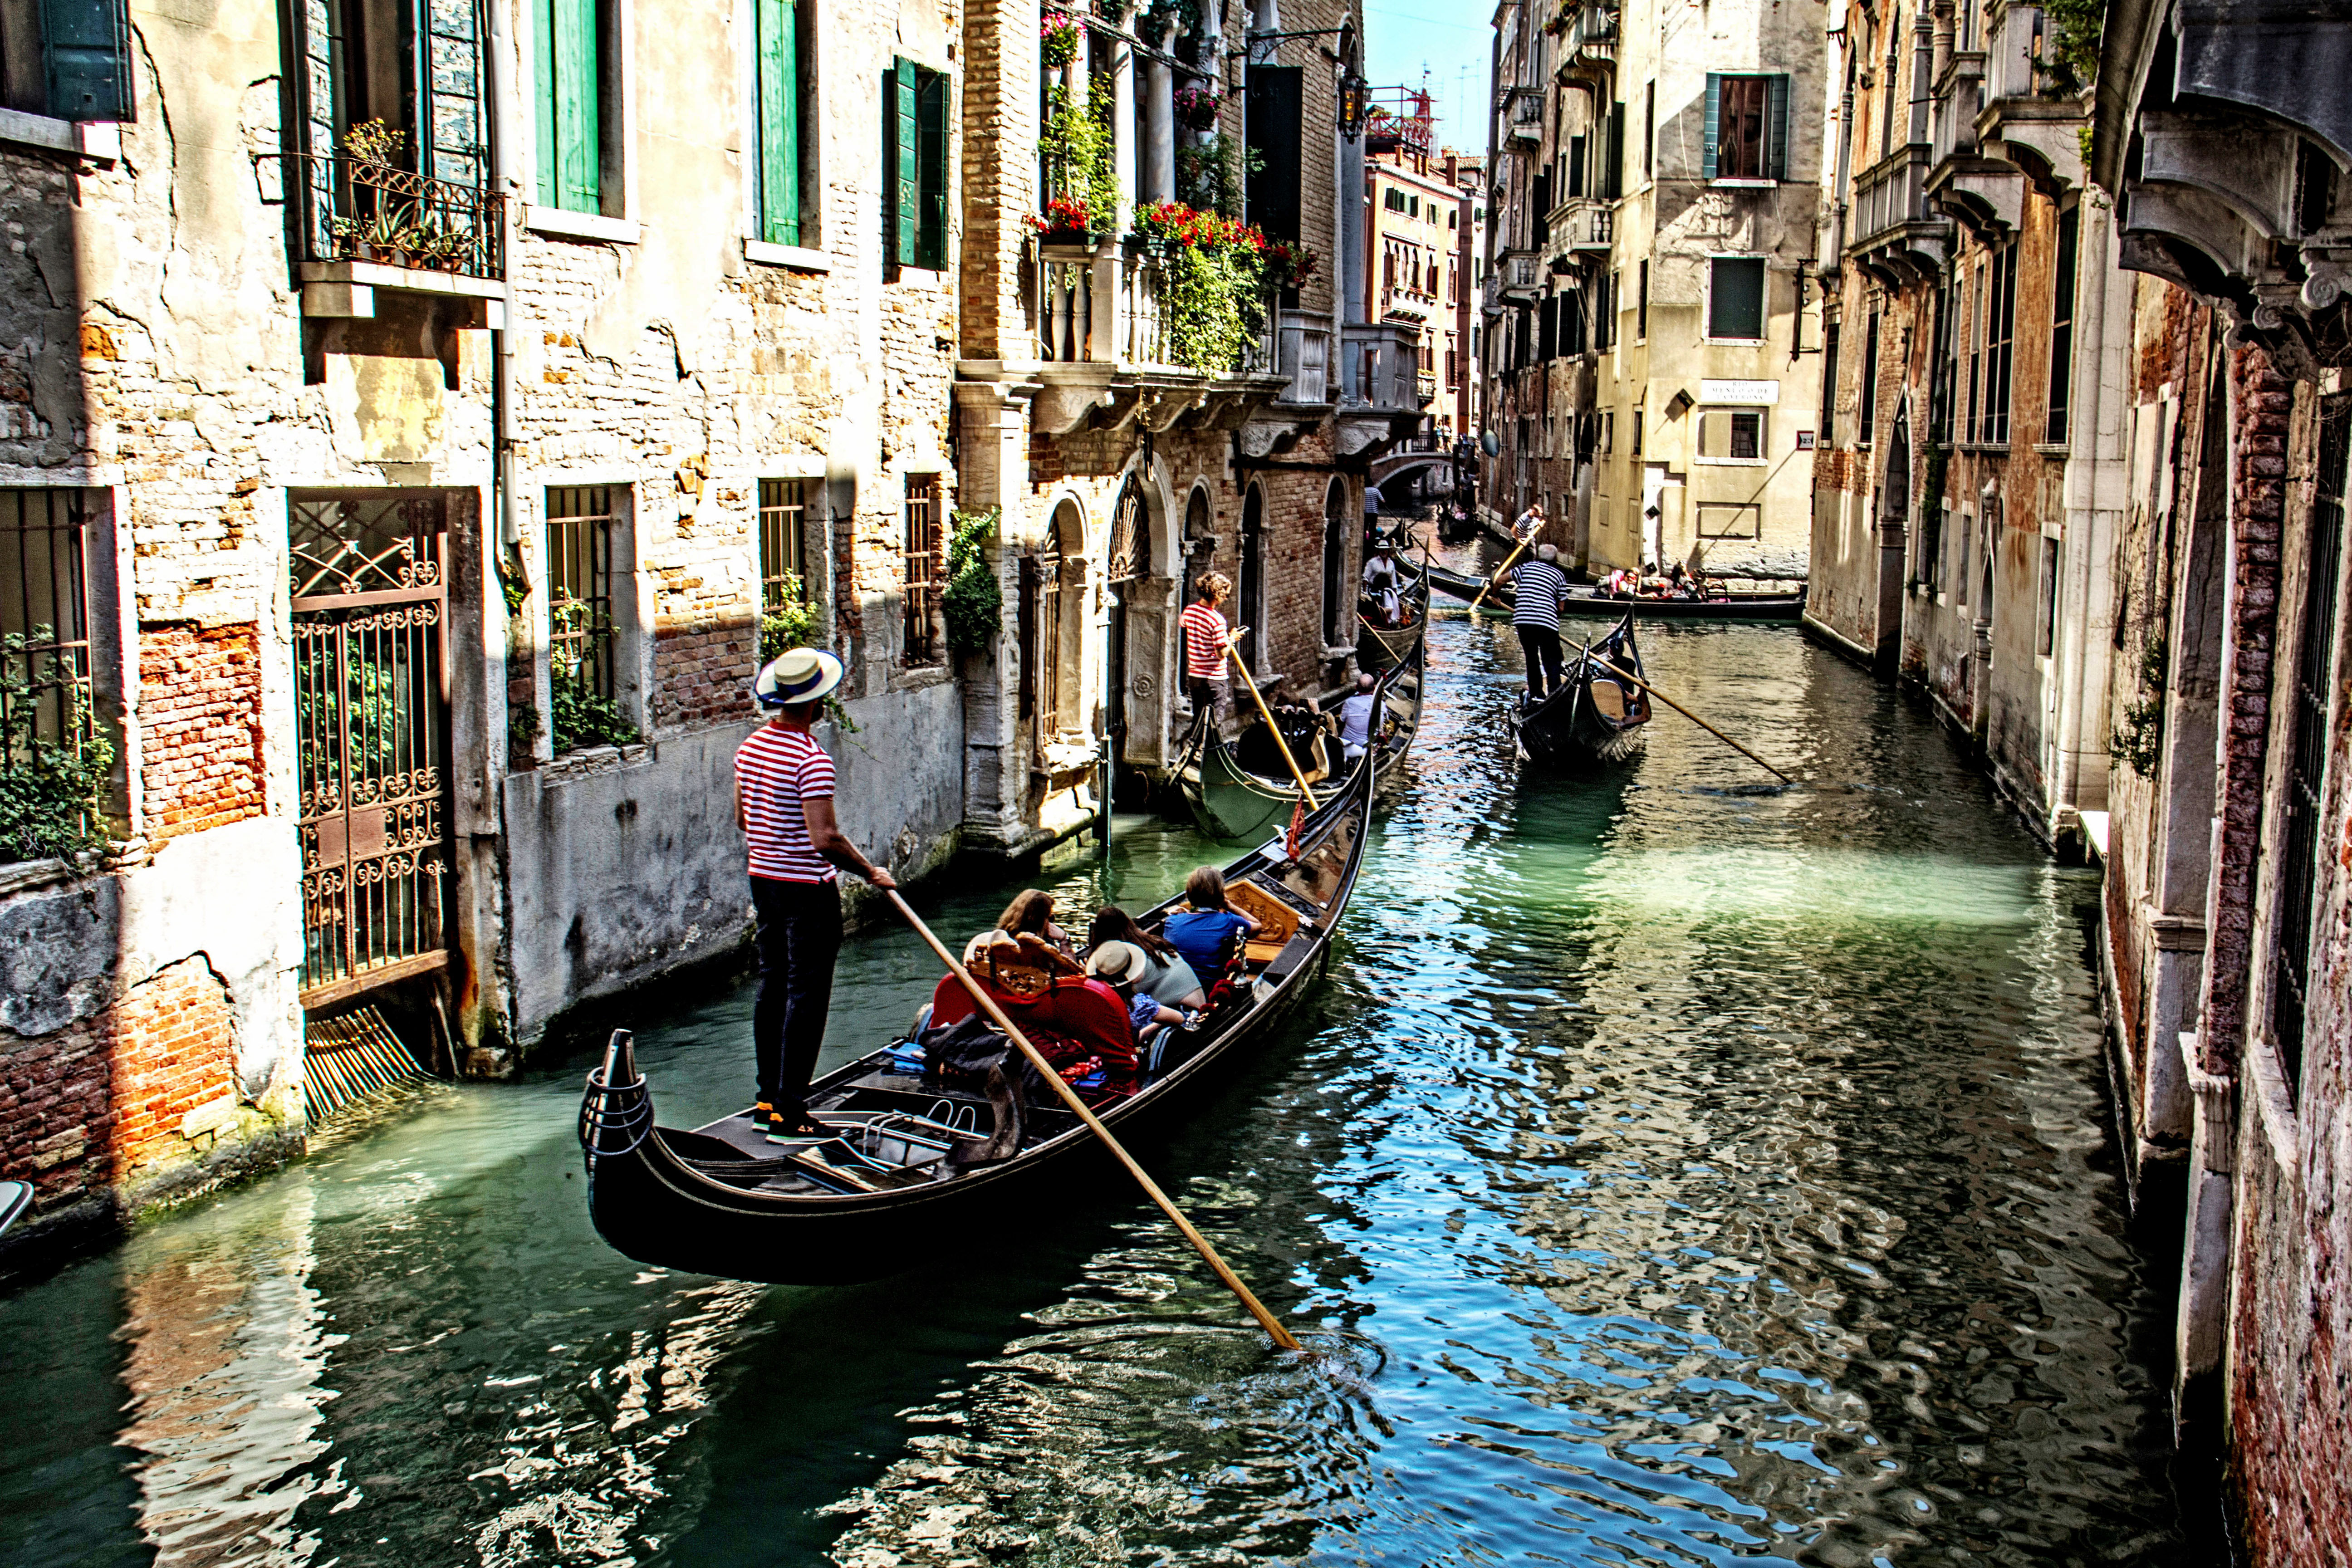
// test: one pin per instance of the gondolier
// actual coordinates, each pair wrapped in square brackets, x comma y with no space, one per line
[1205,641]
[783,804]
[1530,523]
[1537,586]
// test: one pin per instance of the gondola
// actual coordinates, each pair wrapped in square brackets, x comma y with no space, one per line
[882,1195]
[1463,587]
[1378,648]
[1239,789]
[1591,604]
[1594,718]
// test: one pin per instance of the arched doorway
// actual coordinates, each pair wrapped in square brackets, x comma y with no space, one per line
[1127,562]
[1059,629]
[1335,562]
[1251,611]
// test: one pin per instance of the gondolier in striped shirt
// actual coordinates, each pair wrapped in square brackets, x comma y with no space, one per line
[783,804]
[1538,588]
[1205,641]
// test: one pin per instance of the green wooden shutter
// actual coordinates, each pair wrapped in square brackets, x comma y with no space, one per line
[571,173]
[932,251]
[780,122]
[87,58]
[1712,136]
[1776,127]
[900,132]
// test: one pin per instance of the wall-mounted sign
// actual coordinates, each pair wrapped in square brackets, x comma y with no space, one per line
[1804,440]
[1751,393]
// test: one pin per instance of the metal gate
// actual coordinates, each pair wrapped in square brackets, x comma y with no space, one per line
[369,586]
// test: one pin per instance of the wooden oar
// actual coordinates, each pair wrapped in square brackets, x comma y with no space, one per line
[987,1004]
[1497,577]
[1267,714]
[1695,719]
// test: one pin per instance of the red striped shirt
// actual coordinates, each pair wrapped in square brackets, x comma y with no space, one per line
[1204,642]
[775,771]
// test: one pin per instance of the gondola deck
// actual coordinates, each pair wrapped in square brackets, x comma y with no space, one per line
[877,1199]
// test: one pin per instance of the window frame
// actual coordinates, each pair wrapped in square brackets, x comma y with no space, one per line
[1728,417]
[1770,90]
[1715,265]
[613,117]
[623,643]
[917,167]
[1753,511]
[2065,280]
[794,225]
[922,569]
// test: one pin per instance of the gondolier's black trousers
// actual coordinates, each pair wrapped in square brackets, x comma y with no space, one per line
[1541,647]
[800,936]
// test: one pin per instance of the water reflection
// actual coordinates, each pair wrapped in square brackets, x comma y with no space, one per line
[1666,1174]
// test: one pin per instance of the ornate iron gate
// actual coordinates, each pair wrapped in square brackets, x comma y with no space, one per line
[370,585]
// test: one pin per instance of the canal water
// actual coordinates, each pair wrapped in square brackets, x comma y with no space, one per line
[1667,1173]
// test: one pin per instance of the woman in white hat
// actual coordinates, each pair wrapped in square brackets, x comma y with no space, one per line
[783,804]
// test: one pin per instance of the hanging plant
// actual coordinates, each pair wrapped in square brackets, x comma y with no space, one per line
[1065,221]
[1058,33]
[1213,280]
[1197,107]
[974,601]
[1080,156]
[1289,266]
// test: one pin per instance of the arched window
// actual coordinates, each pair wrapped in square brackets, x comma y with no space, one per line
[1336,587]
[1053,582]
[1251,611]
[1127,562]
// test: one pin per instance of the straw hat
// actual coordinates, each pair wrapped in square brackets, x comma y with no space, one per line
[1116,962]
[802,675]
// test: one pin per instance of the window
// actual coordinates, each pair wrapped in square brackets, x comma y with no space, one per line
[924,569]
[579,622]
[1735,304]
[1641,303]
[914,167]
[44,600]
[1604,315]
[1547,328]
[1945,357]
[66,61]
[1637,432]
[1730,519]
[1974,353]
[2307,762]
[1608,433]
[1930,566]
[2001,322]
[1453,218]
[783,545]
[577,140]
[1612,175]
[2046,638]
[1829,382]
[1867,419]
[1393,199]
[1649,130]
[1746,131]
[2061,324]
[1412,207]
[1960,573]
[1576,162]
[1732,434]
[781,91]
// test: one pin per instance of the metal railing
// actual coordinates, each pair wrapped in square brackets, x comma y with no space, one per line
[356,209]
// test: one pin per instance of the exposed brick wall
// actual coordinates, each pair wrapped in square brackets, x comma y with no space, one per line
[92,1106]
[200,727]
[2262,402]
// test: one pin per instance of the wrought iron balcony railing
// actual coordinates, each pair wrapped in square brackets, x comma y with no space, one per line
[356,209]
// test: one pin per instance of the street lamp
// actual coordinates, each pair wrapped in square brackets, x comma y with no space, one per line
[1355,103]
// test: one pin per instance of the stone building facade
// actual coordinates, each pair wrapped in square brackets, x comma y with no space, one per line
[406,482]
[1968,470]
[1657,190]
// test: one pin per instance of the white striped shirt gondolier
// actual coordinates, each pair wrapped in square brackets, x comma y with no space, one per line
[1536,589]
[777,769]
[1204,642]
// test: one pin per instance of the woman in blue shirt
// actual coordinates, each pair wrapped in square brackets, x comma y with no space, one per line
[1203,933]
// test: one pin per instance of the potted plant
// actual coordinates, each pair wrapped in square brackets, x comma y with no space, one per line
[1197,107]
[1065,221]
[387,234]
[346,232]
[1059,34]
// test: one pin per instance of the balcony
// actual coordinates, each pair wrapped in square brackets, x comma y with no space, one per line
[1589,48]
[1895,235]
[1108,355]
[1523,117]
[1400,303]
[1594,230]
[1521,273]
[369,226]
[2028,119]
[1305,357]
[1381,400]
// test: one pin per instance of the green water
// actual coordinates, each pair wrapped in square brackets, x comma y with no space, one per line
[1669,1176]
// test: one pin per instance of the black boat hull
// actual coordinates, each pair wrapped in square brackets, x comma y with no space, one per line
[1589,604]
[1593,721]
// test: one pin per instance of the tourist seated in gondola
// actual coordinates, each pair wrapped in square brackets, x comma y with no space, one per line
[1166,975]
[1356,719]
[1031,910]
[1383,590]
[1206,933]
[1120,966]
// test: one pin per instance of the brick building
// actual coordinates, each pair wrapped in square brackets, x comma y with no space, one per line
[1656,179]
[397,468]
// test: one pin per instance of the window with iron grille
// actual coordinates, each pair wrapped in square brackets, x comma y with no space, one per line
[579,588]
[783,543]
[2306,771]
[45,669]
[925,569]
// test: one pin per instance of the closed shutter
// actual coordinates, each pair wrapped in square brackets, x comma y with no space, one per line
[1616,187]
[931,112]
[456,144]
[315,104]
[1713,135]
[780,122]
[570,146]
[1272,99]
[87,58]
[1776,127]
[900,178]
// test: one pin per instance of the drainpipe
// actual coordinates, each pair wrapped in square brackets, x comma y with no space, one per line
[503,393]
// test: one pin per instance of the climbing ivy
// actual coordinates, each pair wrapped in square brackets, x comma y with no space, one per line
[974,599]
[52,792]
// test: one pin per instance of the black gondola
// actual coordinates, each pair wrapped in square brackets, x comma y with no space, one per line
[1239,789]
[1591,604]
[882,1196]
[1380,646]
[1594,718]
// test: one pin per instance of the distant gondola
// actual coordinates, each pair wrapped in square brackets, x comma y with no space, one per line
[1594,718]
[1379,647]
[1591,604]
[1239,789]
[884,1195]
